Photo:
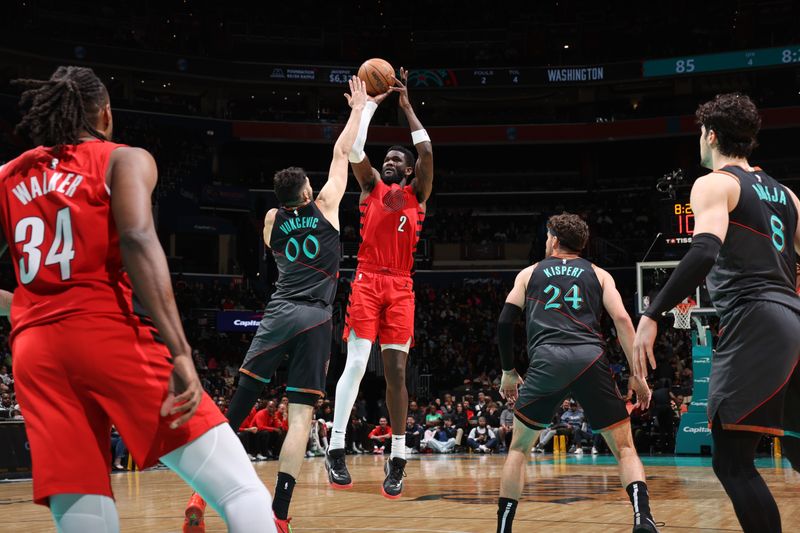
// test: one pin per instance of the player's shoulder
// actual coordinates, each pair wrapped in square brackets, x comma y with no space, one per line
[23,160]
[271,214]
[132,154]
[525,274]
[719,178]
[600,272]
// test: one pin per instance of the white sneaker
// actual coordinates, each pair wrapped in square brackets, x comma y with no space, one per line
[482,448]
[251,457]
[260,457]
[578,451]
[594,450]
[309,453]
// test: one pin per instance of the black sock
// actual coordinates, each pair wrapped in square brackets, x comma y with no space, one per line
[243,400]
[640,499]
[506,508]
[283,495]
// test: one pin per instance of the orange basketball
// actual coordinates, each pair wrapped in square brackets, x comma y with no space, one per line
[377,73]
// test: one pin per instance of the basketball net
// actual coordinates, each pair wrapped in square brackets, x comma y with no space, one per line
[682,314]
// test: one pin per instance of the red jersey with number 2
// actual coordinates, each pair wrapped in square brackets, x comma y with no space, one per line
[391,222]
[56,217]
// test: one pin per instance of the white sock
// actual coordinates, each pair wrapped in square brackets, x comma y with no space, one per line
[398,446]
[347,387]
[79,513]
[217,467]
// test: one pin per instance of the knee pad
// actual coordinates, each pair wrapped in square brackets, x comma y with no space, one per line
[358,351]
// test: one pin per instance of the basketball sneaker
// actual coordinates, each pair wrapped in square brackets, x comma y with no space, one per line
[283,526]
[338,475]
[644,525]
[195,511]
[395,472]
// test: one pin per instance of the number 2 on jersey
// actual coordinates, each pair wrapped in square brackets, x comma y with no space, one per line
[572,296]
[403,220]
[60,253]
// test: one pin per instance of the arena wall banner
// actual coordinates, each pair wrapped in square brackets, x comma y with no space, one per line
[694,433]
[647,128]
[238,321]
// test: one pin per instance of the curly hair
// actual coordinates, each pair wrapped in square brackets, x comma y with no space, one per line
[735,120]
[571,230]
[289,182]
[58,109]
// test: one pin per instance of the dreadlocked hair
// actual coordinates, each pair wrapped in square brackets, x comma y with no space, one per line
[56,110]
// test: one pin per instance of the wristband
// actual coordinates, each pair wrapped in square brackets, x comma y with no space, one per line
[420,136]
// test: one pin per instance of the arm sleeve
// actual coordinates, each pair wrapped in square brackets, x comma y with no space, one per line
[690,273]
[505,334]
[357,154]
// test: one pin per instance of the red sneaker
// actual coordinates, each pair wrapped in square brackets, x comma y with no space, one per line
[283,526]
[195,511]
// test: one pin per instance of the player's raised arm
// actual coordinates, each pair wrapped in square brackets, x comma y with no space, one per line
[362,168]
[423,172]
[713,196]
[515,302]
[332,192]
[132,180]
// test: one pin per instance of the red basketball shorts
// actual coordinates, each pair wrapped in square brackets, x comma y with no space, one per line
[77,377]
[381,306]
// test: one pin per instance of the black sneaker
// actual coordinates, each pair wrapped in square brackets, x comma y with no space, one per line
[642,524]
[395,472]
[338,476]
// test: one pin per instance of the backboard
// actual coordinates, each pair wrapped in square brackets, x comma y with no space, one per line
[653,275]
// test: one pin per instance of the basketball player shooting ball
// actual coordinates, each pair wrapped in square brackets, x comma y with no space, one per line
[745,239]
[77,213]
[564,296]
[381,303]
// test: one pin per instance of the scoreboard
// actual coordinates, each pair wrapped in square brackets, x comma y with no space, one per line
[677,226]
[681,219]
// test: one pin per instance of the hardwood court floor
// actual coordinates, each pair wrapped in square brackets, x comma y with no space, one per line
[454,494]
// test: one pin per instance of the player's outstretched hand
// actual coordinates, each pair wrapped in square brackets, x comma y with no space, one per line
[509,385]
[643,346]
[358,93]
[643,392]
[185,391]
[401,87]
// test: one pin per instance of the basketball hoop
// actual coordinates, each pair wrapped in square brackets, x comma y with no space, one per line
[683,314]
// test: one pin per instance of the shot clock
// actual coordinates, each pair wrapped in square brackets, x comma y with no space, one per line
[682,219]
